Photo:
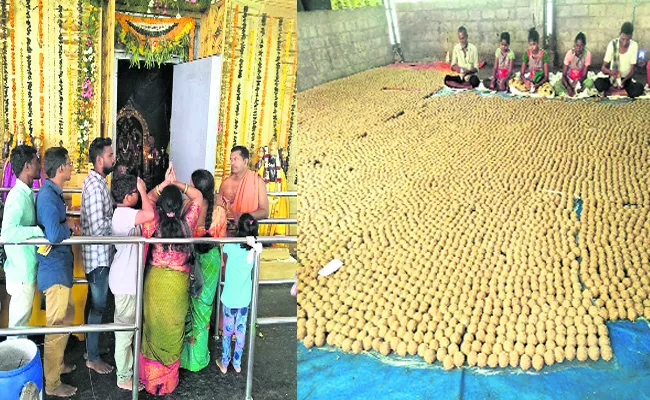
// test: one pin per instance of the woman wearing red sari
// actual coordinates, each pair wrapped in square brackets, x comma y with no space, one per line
[166,284]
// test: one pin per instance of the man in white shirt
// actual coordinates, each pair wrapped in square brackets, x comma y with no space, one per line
[19,224]
[619,64]
[464,61]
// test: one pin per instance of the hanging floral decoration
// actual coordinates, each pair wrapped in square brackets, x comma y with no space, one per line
[41,68]
[156,39]
[258,78]
[292,93]
[12,39]
[230,81]
[292,109]
[72,84]
[247,81]
[30,111]
[164,7]
[21,56]
[60,59]
[283,82]
[86,82]
[40,23]
[276,89]
[265,82]
[255,105]
[5,70]
[240,73]
[290,133]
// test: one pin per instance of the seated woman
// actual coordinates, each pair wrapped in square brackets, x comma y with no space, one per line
[464,61]
[534,68]
[619,64]
[576,64]
[504,59]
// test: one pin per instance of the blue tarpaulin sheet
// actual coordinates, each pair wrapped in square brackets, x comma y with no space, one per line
[331,374]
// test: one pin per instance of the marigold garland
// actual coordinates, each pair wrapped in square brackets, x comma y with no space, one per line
[22,88]
[292,94]
[251,50]
[240,72]
[40,24]
[265,82]
[41,68]
[248,85]
[12,39]
[5,70]
[244,121]
[60,58]
[156,39]
[30,111]
[41,85]
[290,133]
[276,127]
[292,109]
[283,82]
[87,78]
[258,81]
[71,95]
[53,74]
[80,49]
[230,83]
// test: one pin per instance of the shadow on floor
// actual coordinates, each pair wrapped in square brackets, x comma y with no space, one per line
[274,372]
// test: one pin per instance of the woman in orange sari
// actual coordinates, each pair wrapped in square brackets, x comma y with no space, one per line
[166,284]
[195,355]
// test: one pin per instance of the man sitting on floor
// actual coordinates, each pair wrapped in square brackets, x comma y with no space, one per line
[464,61]
[619,65]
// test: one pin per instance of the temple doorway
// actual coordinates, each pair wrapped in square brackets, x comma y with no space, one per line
[142,122]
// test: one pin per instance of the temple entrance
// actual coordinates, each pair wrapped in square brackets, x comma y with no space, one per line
[144,104]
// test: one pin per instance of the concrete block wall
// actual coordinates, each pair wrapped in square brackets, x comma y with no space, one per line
[430,29]
[336,44]
[601,21]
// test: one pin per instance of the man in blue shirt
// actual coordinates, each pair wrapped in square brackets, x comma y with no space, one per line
[55,265]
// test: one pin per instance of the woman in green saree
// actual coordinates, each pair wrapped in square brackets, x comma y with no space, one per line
[195,355]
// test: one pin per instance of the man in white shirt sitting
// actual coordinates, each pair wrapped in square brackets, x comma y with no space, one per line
[619,64]
[464,61]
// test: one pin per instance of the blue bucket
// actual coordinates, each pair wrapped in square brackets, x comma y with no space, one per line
[20,364]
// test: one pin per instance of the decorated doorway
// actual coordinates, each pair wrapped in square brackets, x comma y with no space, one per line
[146,51]
[142,121]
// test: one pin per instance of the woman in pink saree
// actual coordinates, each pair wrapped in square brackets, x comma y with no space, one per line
[166,285]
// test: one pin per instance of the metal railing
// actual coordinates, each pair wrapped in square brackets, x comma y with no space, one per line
[137,327]
[263,221]
[78,191]
[64,190]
